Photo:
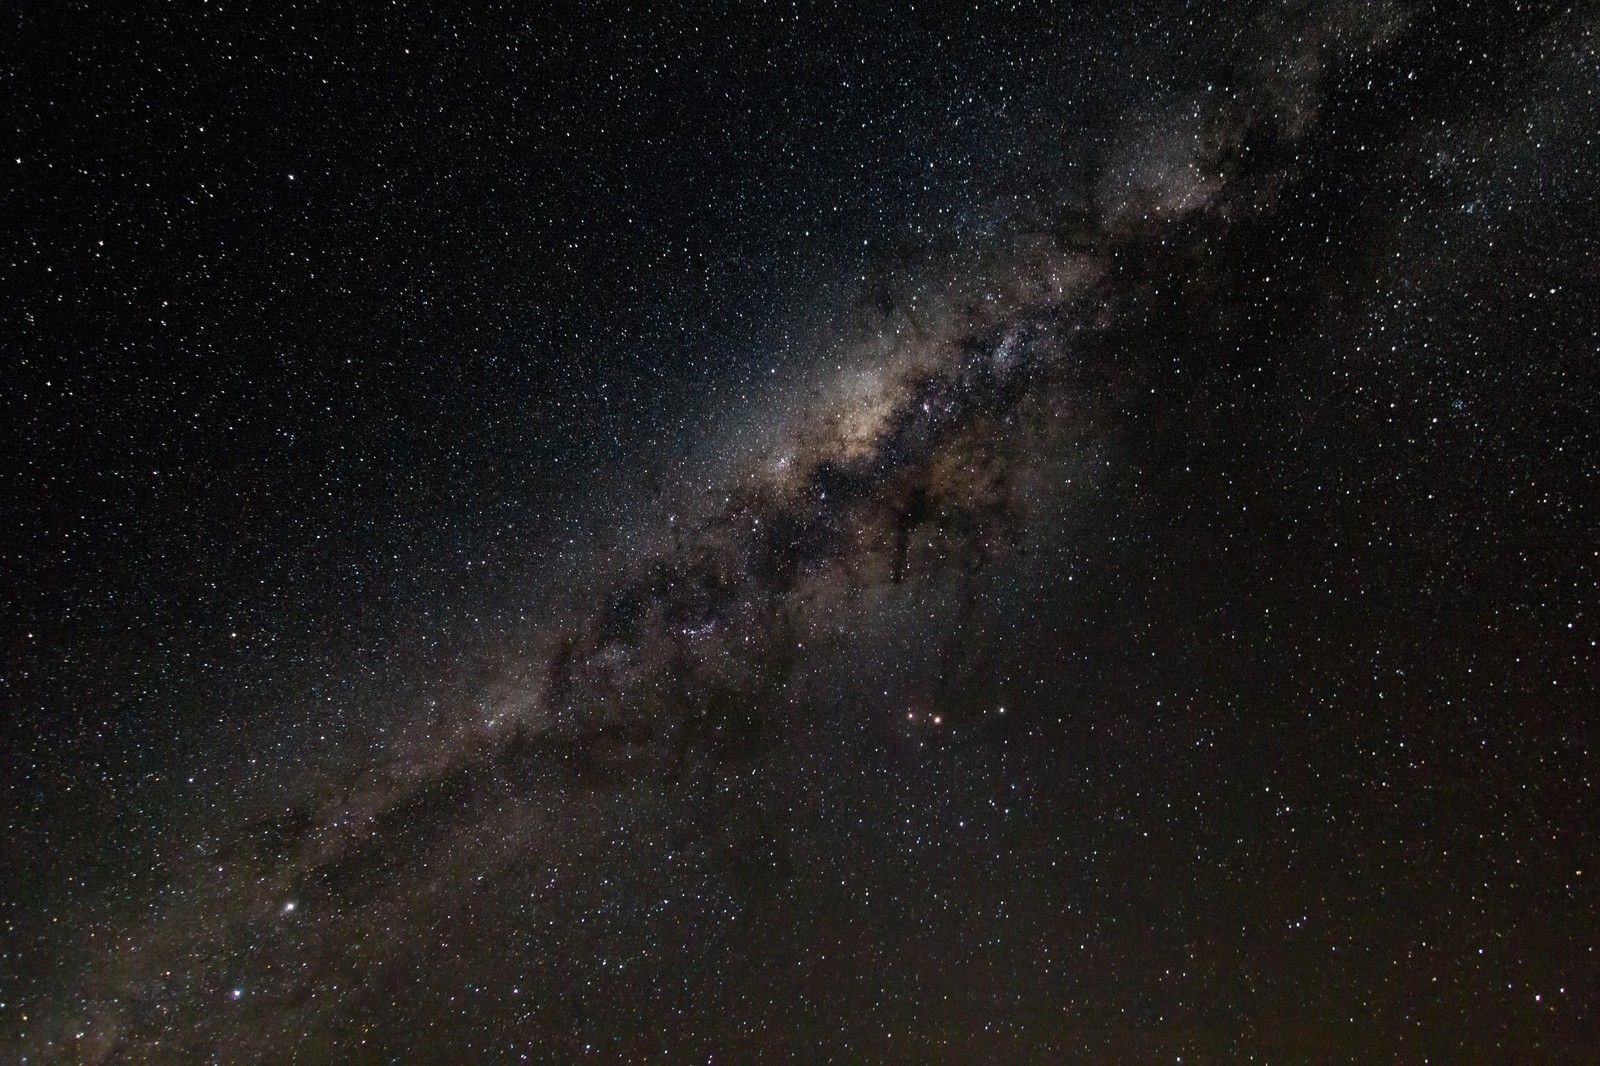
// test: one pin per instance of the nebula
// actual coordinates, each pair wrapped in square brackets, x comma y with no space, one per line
[884,554]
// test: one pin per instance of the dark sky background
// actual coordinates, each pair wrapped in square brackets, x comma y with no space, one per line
[774,532]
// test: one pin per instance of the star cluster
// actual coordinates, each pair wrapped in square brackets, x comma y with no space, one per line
[804,535]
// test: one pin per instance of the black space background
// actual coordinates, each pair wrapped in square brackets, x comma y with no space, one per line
[331,335]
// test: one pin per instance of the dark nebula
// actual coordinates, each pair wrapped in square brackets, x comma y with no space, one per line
[796,536]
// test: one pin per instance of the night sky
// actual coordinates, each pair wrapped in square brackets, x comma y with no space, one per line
[772,532]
